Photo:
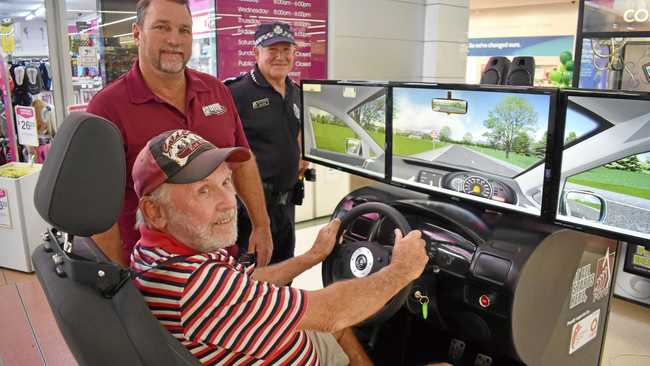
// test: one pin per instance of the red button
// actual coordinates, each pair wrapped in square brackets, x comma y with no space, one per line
[484,301]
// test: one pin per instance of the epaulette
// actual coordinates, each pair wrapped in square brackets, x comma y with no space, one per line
[231,80]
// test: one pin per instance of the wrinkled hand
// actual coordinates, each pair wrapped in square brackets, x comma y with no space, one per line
[325,241]
[261,242]
[304,165]
[409,253]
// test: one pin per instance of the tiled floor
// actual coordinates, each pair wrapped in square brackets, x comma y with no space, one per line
[29,335]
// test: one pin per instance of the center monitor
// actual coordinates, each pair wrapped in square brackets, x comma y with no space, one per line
[486,145]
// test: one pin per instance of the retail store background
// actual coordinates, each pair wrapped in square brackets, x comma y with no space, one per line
[406,40]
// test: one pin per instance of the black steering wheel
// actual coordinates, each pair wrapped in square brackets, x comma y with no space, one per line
[356,259]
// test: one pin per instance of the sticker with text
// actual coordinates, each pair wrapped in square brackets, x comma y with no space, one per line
[584,331]
[582,281]
[5,214]
[604,275]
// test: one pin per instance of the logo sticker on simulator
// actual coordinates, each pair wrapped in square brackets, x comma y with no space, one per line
[584,331]
[5,216]
[582,281]
[603,275]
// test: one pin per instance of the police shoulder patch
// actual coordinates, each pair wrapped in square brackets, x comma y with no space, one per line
[231,80]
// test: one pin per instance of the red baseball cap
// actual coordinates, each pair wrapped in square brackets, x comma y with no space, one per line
[180,157]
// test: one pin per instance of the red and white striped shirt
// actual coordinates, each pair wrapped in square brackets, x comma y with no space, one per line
[211,305]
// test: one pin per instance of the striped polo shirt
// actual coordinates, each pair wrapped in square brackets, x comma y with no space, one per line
[208,302]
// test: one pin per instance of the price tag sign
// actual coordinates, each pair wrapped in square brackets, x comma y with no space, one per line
[26,121]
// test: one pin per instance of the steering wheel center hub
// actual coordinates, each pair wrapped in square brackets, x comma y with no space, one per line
[361,262]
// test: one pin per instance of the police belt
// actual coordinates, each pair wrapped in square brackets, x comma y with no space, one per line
[275,198]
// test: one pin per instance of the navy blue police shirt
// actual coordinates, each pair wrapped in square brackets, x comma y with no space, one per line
[271,124]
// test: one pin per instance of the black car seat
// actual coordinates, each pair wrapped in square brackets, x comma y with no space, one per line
[101,314]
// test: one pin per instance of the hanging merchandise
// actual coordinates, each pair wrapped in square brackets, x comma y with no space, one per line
[7,35]
[46,73]
[20,93]
[33,81]
[44,114]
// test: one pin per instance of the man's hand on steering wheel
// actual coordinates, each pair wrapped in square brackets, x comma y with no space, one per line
[409,253]
[325,241]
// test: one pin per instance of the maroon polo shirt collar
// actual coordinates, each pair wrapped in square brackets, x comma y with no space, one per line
[140,93]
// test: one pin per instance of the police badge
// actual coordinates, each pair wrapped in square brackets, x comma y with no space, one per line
[296,110]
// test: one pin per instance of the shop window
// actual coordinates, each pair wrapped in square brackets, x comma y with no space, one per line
[26,100]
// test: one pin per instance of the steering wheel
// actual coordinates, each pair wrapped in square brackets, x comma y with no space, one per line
[357,259]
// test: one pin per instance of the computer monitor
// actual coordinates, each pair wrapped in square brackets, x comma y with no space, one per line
[637,259]
[345,126]
[605,169]
[487,145]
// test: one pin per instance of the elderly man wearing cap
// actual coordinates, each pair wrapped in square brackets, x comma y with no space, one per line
[268,103]
[226,313]
[160,93]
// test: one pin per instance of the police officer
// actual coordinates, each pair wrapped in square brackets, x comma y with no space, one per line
[268,103]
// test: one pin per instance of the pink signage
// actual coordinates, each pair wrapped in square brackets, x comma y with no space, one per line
[236,22]
[11,152]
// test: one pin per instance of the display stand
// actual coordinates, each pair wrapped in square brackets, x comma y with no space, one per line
[612,46]
[20,224]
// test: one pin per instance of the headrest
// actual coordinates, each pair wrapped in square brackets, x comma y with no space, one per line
[80,188]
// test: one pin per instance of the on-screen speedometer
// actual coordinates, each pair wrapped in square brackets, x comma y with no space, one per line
[477,186]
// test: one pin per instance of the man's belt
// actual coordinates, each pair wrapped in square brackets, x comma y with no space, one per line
[274,197]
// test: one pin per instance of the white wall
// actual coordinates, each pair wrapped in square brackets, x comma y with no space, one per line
[407,40]
[524,21]
[376,39]
[445,41]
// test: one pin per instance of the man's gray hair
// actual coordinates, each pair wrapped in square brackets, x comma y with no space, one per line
[159,195]
[142,5]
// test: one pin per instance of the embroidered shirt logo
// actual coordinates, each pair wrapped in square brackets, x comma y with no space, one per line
[296,110]
[261,103]
[214,108]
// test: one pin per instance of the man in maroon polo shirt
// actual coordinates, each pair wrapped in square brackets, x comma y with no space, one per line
[159,94]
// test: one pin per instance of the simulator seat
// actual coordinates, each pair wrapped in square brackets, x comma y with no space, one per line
[101,314]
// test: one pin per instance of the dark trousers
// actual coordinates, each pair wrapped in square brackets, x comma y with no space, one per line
[282,228]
